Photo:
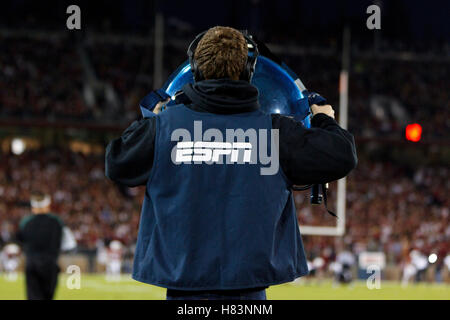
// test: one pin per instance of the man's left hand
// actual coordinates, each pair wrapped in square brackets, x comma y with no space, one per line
[159,106]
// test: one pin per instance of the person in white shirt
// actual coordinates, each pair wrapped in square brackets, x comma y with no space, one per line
[10,258]
[114,260]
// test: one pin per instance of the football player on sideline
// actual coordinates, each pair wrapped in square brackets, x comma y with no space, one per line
[43,236]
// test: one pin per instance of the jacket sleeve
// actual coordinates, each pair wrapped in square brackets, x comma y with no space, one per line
[129,158]
[324,153]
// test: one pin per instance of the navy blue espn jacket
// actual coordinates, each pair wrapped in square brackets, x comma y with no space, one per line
[218,212]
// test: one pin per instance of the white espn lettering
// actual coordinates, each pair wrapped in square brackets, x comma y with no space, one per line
[203,151]
[229,146]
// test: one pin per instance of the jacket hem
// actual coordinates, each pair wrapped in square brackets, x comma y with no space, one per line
[232,287]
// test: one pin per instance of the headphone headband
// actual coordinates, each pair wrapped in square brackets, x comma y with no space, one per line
[250,64]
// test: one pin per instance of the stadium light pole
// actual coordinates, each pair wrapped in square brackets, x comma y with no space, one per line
[343,120]
[158,56]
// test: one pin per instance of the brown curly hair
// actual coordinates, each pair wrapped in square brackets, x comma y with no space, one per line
[221,53]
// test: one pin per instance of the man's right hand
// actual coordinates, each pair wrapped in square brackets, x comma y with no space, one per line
[326,109]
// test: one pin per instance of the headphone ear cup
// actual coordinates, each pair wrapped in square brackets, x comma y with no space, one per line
[249,69]
[191,49]
[197,73]
[250,64]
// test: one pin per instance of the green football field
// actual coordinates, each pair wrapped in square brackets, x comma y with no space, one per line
[97,287]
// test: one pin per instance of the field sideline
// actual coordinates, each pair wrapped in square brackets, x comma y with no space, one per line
[95,287]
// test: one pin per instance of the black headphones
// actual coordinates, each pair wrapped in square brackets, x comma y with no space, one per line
[249,69]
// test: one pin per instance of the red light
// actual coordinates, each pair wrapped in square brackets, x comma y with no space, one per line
[413,132]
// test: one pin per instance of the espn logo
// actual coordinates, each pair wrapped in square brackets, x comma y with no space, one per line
[252,146]
[205,151]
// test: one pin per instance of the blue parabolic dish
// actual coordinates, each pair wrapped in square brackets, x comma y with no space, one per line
[278,92]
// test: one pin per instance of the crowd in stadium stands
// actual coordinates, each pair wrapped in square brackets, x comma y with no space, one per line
[128,69]
[41,78]
[418,87]
[44,78]
[388,209]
